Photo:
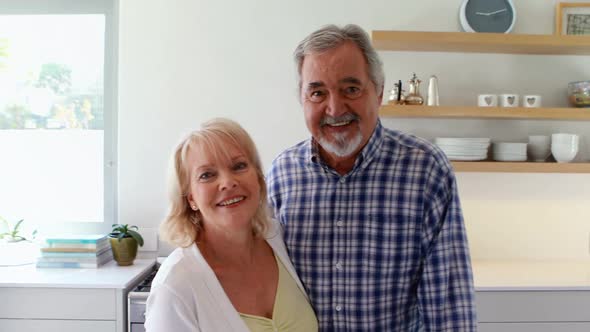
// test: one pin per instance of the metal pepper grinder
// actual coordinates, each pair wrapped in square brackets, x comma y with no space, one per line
[396,95]
[413,97]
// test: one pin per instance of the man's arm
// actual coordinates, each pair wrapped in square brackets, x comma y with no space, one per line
[445,292]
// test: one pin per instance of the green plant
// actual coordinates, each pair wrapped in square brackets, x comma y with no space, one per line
[13,234]
[121,231]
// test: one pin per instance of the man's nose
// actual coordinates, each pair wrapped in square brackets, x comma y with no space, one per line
[336,106]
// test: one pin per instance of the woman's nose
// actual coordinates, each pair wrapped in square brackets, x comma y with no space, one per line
[228,181]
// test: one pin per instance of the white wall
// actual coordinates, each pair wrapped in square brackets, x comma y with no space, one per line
[185,61]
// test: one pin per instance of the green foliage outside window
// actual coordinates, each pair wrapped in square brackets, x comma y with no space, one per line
[69,110]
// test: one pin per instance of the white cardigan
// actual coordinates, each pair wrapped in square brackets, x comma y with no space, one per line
[187,297]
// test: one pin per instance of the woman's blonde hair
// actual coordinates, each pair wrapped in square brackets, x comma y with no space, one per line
[182,225]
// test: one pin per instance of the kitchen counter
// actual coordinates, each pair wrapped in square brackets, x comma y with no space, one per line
[489,275]
[531,275]
[109,275]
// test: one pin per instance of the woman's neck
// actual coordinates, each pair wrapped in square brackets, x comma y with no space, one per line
[228,248]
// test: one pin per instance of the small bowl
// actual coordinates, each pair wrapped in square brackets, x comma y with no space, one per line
[539,147]
[565,139]
[564,153]
[578,93]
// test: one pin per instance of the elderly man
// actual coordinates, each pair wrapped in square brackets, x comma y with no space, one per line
[372,217]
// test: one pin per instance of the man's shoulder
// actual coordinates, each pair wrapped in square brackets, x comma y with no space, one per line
[297,153]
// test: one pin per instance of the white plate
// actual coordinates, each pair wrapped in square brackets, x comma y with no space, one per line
[509,155]
[506,158]
[450,140]
[467,158]
[464,146]
[463,150]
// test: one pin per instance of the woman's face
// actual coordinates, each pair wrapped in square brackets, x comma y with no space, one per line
[226,192]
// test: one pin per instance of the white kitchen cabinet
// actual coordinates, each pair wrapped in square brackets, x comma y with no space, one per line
[532,295]
[64,300]
[53,309]
[534,327]
[10,325]
[533,310]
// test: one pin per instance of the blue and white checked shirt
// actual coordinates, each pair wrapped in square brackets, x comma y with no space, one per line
[382,248]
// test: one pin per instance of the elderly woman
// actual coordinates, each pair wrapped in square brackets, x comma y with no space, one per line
[231,271]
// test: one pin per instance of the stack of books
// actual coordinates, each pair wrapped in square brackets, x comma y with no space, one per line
[77,251]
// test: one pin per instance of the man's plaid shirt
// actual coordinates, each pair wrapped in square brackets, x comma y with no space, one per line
[382,248]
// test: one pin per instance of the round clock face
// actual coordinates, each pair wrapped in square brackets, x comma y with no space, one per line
[488,15]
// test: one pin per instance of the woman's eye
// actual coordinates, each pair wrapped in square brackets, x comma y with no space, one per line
[206,176]
[240,165]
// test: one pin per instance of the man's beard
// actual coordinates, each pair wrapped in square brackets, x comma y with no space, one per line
[340,145]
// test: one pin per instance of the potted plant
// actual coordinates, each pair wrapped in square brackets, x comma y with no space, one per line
[14,233]
[15,248]
[11,234]
[124,240]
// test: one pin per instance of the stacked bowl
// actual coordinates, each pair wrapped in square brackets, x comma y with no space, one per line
[564,147]
[539,147]
[510,151]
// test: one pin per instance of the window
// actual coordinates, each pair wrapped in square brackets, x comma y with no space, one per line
[57,112]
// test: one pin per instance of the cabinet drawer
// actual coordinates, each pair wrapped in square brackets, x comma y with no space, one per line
[58,303]
[534,327]
[20,325]
[533,306]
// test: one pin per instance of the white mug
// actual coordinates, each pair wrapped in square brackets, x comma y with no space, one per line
[509,100]
[486,100]
[531,101]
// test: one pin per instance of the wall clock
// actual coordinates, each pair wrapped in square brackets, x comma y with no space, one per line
[487,15]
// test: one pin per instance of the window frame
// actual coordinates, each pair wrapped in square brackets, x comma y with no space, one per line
[110,9]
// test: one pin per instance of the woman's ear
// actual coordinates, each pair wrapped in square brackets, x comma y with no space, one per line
[192,203]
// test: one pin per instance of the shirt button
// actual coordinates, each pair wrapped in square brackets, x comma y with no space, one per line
[338,308]
[340,223]
[342,180]
[338,266]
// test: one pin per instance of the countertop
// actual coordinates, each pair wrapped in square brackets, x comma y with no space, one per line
[531,275]
[489,275]
[109,275]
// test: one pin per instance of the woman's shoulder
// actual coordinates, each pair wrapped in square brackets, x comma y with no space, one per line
[179,269]
[274,237]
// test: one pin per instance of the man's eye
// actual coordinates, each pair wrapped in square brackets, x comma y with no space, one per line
[317,95]
[352,91]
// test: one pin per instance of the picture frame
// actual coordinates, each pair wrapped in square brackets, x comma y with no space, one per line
[572,18]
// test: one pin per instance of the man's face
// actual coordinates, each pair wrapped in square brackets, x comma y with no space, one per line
[339,100]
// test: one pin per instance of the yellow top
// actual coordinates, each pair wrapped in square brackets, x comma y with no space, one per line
[291,312]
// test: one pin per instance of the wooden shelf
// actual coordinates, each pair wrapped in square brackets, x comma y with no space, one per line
[520,167]
[466,42]
[473,112]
